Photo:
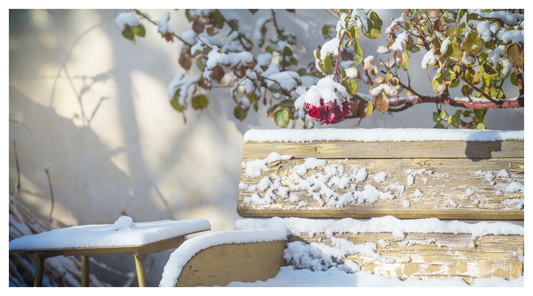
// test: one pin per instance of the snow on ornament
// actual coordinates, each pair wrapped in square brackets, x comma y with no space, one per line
[327,101]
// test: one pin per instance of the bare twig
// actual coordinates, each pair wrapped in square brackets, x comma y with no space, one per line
[234,29]
[151,21]
[479,90]
[17,184]
[46,169]
[337,60]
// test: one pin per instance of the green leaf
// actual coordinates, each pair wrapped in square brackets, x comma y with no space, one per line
[357,60]
[200,63]
[325,30]
[448,74]
[369,109]
[405,63]
[139,30]
[345,11]
[175,103]
[439,125]
[452,32]
[281,117]
[438,84]
[327,64]
[287,51]
[239,113]
[514,79]
[466,90]
[317,54]
[217,19]
[199,102]
[357,48]
[302,72]
[128,34]
[351,85]
[253,11]
[472,44]
[442,114]
[291,10]
[435,116]
[461,13]
[480,126]
[456,120]
[293,61]
[188,15]
[496,90]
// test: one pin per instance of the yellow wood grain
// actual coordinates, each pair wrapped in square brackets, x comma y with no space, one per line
[222,264]
[450,180]
[418,149]
[449,256]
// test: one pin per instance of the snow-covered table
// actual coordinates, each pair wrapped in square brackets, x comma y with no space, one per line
[122,237]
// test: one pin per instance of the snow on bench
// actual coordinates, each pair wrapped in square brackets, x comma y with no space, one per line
[214,242]
[379,135]
[387,246]
[122,233]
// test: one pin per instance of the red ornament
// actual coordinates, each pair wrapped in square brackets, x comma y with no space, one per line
[329,113]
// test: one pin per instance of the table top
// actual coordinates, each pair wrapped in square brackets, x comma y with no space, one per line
[108,236]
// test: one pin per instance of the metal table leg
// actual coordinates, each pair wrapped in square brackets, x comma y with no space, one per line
[139,264]
[84,271]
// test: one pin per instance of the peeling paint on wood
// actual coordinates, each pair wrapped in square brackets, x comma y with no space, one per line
[450,178]
[437,255]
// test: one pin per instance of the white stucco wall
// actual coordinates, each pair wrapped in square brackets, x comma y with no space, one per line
[95,107]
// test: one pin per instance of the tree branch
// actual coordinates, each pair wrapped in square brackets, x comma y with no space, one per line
[51,195]
[335,75]
[478,90]
[151,21]
[231,26]
[17,185]
[447,100]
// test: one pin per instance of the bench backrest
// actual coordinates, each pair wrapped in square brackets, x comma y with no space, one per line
[407,173]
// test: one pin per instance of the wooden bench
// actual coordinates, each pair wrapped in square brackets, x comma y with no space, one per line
[318,174]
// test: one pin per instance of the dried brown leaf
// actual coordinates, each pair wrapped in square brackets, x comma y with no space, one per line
[212,30]
[440,24]
[197,26]
[169,37]
[218,73]
[433,12]
[382,102]
[185,59]
[515,53]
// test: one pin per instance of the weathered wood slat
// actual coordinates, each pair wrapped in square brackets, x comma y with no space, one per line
[437,255]
[423,149]
[222,264]
[449,180]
